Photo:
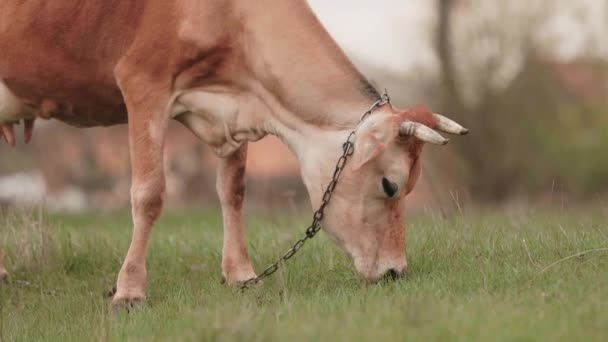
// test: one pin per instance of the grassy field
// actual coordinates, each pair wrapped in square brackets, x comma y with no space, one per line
[474,276]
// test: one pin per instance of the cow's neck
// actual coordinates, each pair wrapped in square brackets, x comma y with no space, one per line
[295,59]
[315,94]
[317,142]
[317,151]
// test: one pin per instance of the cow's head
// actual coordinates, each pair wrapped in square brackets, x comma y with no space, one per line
[365,215]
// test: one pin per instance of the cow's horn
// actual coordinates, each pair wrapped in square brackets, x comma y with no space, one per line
[449,126]
[422,132]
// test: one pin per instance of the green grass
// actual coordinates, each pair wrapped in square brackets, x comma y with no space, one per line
[477,276]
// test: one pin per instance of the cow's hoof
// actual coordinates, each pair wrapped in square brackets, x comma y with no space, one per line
[238,281]
[3,277]
[127,302]
[244,285]
[237,284]
[235,276]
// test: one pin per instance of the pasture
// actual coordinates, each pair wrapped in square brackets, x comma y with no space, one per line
[476,275]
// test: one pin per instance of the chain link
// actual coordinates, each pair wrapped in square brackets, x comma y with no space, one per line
[348,148]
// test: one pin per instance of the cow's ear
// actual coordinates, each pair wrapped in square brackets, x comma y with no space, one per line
[366,150]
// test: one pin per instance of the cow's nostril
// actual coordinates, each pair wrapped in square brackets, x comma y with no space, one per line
[392,274]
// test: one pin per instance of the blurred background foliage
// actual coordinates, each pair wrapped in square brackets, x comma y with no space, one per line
[530,78]
[540,120]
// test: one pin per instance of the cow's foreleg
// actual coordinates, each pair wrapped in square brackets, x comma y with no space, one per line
[236,266]
[148,122]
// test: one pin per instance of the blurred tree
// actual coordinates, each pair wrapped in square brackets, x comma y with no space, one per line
[495,79]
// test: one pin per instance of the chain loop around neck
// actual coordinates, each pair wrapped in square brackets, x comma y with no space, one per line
[348,149]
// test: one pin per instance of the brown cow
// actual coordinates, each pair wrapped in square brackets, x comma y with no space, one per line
[231,71]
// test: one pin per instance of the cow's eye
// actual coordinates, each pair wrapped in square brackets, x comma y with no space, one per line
[390,188]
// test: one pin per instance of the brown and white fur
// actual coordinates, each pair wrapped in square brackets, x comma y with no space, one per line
[233,72]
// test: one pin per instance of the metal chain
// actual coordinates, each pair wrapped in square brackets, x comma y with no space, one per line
[348,148]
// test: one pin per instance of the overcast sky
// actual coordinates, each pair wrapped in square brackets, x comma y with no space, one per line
[374,31]
[397,34]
